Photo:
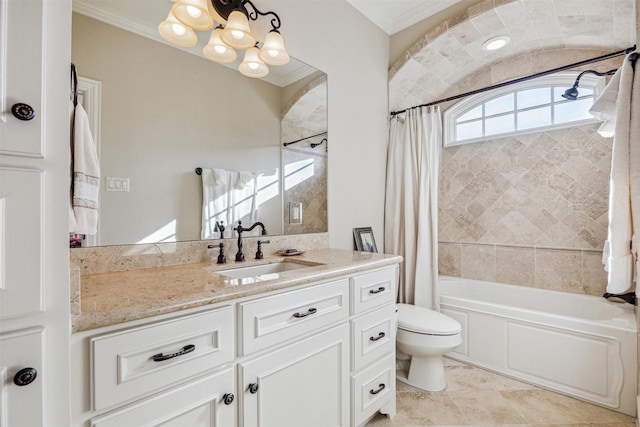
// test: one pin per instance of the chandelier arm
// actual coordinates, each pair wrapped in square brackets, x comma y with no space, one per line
[253,15]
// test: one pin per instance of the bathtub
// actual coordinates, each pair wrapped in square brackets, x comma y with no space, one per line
[579,345]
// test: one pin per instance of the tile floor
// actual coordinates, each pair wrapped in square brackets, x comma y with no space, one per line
[475,397]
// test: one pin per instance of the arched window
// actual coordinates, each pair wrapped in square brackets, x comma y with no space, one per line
[530,106]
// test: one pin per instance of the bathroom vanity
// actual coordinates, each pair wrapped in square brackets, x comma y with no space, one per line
[311,344]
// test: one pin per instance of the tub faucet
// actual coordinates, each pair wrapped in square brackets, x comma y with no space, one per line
[240,229]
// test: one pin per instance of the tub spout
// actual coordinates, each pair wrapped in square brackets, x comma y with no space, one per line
[629,297]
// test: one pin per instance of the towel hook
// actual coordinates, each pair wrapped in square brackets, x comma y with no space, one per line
[74,85]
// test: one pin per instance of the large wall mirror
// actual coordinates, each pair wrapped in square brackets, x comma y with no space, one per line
[166,111]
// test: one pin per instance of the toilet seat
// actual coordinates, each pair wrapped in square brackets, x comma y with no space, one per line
[421,320]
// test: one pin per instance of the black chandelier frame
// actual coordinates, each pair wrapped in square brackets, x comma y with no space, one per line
[225,7]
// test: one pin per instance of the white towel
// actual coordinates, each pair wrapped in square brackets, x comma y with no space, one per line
[83,212]
[619,107]
[227,196]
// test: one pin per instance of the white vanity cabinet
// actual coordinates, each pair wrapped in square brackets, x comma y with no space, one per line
[306,382]
[373,341]
[314,355]
[203,402]
[303,384]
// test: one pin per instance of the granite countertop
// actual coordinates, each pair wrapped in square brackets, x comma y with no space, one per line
[113,298]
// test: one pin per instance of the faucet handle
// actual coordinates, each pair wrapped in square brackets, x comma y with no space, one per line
[259,254]
[222,259]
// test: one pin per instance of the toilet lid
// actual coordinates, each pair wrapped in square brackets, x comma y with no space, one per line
[425,321]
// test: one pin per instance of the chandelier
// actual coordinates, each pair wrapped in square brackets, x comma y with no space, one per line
[232,33]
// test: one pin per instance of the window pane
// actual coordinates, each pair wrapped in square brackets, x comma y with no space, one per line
[474,113]
[534,118]
[573,110]
[502,124]
[469,130]
[533,97]
[503,104]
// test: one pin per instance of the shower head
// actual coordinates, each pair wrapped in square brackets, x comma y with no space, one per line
[572,93]
[314,145]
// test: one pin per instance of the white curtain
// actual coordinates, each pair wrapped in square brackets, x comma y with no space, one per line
[619,107]
[411,205]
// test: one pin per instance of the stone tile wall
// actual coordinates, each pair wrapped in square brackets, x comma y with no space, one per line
[310,189]
[528,210]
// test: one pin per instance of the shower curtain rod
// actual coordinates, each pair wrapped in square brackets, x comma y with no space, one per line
[521,79]
[303,139]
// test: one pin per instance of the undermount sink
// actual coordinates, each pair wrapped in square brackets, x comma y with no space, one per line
[258,273]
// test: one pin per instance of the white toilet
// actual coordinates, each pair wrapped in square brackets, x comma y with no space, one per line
[424,335]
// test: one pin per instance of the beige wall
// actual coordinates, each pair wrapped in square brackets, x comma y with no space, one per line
[528,210]
[332,36]
[164,113]
[358,101]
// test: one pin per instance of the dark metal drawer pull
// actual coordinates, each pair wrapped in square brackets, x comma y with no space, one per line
[377,291]
[310,311]
[380,388]
[186,349]
[253,388]
[227,398]
[380,335]
[25,376]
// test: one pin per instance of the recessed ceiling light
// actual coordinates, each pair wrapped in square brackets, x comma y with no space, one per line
[496,43]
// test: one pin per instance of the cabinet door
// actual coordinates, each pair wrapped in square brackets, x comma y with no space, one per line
[304,384]
[206,402]
[20,241]
[21,399]
[21,59]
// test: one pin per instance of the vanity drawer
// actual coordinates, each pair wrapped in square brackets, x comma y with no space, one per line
[123,366]
[373,336]
[372,388]
[271,320]
[373,289]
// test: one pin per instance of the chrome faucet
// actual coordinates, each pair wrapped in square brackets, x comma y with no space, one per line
[240,229]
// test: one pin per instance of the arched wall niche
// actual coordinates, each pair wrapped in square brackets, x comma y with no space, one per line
[544,34]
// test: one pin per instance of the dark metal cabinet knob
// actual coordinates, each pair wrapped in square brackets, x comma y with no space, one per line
[227,398]
[253,388]
[23,111]
[25,376]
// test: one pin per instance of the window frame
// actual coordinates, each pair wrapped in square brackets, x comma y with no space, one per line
[587,81]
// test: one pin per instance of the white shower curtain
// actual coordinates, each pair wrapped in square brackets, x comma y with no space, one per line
[619,107]
[411,205]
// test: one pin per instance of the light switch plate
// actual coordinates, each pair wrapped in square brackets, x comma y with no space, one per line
[118,184]
[295,213]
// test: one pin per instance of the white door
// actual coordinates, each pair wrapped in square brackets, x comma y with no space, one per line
[304,384]
[35,39]
[21,211]
[205,402]
[23,61]
[21,392]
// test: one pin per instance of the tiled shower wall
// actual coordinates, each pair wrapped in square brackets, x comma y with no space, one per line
[305,182]
[528,210]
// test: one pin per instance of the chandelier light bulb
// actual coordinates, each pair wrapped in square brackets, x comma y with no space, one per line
[237,33]
[273,51]
[217,51]
[178,29]
[193,14]
[176,33]
[252,65]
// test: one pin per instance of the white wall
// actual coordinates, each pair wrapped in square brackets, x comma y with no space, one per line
[332,36]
